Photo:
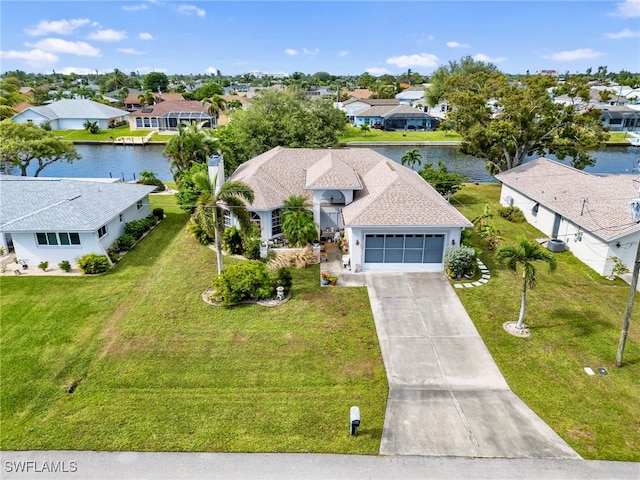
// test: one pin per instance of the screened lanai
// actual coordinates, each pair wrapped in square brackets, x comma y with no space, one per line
[171,120]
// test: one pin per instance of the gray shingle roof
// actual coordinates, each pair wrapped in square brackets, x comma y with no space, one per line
[597,203]
[386,111]
[390,194]
[30,204]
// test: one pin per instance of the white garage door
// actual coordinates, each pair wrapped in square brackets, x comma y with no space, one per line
[381,248]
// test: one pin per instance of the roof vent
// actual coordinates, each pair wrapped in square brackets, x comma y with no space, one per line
[146,110]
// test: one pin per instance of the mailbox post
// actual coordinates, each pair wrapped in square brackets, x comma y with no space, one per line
[354,420]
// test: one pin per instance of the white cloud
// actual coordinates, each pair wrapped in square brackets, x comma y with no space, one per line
[291,51]
[133,8]
[130,51]
[108,35]
[481,57]
[212,70]
[145,36]
[377,71]
[626,33]
[58,27]
[76,70]
[191,10]
[415,60]
[343,53]
[578,54]
[627,9]
[35,57]
[457,45]
[59,45]
[310,52]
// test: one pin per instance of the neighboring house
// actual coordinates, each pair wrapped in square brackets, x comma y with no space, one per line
[168,115]
[132,102]
[392,218]
[411,96]
[352,105]
[71,114]
[361,93]
[399,117]
[589,213]
[55,219]
[620,119]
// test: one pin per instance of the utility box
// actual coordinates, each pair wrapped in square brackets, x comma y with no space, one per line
[354,420]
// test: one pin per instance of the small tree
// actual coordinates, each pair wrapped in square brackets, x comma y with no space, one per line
[525,253]
[364,128]
[297,221]
[445,182]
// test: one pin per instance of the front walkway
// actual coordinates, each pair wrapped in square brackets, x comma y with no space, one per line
[447,397]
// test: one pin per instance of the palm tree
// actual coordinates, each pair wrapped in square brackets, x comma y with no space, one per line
[411,158]
[211,207]
[525,253]
[364,128]
[297,221]
[147,98]
[216,103]
[192,144]
[9,97]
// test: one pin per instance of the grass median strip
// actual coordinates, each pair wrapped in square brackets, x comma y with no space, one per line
[156,368]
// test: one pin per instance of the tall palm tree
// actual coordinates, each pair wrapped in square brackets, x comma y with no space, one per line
[212,205]
[525,253]
[297,221]
[192,144]
[411,158]
[9,97]
[216,103]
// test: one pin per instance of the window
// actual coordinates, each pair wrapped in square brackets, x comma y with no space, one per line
[154,122]
[146,122]
[61,238]
[139,204]
[139,122]
[102,231]
[120,217]
[276,224]
[227,218]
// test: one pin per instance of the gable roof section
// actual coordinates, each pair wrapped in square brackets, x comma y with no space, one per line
[169,106]
[55,204]
[385,111]
[331,172]
[389,194]
[78,109]
[597,203]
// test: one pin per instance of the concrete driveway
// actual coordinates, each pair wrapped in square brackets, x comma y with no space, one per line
[447,397]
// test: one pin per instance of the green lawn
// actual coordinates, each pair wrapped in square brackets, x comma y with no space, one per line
[575,318]
[158,369]
[354,134]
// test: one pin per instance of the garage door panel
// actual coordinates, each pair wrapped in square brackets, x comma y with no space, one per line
[404,249]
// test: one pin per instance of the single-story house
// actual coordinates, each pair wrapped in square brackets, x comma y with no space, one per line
[71,114]
[392,218]
[589,213]
[399,117]
[132,101]
[169,114]
[354,104]
[620,119]
[55,219]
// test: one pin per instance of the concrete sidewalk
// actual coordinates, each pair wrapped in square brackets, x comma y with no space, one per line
[447,397]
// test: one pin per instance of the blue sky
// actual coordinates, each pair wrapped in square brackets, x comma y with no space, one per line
[339,37]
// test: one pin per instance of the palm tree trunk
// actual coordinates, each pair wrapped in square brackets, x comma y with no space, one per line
[218,250]
[523,305]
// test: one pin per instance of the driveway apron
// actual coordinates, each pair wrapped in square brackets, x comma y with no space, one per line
[447,396]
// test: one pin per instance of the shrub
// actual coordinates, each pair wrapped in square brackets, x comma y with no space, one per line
[199,234]
[251,243]
[113,252]
[149,178]
[243,281]
[232,240]
[461,260]
[125,242]
[158,213]
[282,278]
[92,263]
[43,265]
[511,213]
[65,266]
[138,228]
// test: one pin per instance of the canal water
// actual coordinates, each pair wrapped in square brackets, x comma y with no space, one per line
[126,162]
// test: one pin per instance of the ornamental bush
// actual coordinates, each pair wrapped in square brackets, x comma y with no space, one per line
[243,281]
[158,213]
[511,213]
[460,260]
[125,242]
[65,266]
[138,228]
[282,278]
[232,240]
[92,263]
